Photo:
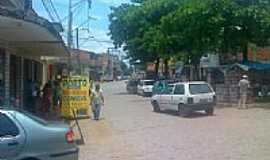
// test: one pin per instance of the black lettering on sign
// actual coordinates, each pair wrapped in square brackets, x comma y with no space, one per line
[74,83]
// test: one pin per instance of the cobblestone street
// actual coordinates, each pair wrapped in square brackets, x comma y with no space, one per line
[130,130]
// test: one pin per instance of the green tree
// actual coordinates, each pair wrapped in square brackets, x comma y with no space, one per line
[246,21]
[152,29]
[136,28]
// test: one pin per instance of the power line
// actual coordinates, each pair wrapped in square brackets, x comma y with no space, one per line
[55,11]
[74,9]
[45,4]
[97,40]
[78,3]
[51,10]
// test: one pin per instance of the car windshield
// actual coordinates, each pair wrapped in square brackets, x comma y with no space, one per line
[149,83]
[199,88]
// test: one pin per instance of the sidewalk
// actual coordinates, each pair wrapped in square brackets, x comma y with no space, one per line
[252,105]
[262,105]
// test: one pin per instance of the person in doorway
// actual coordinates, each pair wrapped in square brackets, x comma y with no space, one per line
[47,99]
[35,94]
[29,98]
[97,101]
[38,97]
[56,96]
[243,85]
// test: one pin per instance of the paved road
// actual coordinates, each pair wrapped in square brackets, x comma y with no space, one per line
[131,131]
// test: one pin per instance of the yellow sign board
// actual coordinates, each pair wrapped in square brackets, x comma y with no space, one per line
[75,96]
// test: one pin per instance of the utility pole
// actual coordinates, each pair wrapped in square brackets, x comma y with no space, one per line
[69,35]
[78,47]
[77,38]
[70,21]
[70,26]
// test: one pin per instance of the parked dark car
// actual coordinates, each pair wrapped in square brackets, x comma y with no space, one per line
[132,86]
[24,136]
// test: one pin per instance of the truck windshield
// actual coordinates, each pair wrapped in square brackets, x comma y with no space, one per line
[199,88]
[149,83]
[133,83]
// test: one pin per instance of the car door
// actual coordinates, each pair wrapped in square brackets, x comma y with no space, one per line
[166,97]
[178,96]
[140,86]
[165,100]
[11,137]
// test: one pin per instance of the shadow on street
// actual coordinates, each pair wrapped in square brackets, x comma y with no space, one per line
[192,115]
[123,93]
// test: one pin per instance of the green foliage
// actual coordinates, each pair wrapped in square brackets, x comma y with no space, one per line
[151,29]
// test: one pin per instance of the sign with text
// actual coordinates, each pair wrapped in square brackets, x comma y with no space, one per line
[75,96]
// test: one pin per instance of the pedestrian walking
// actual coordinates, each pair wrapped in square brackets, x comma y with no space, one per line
[97,101]
[243,85]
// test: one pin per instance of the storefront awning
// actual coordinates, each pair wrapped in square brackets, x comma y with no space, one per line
[30,39]
[251,65]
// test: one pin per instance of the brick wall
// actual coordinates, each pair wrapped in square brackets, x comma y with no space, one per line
[229,91]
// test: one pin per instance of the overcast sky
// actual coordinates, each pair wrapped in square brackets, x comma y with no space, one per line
[98,27]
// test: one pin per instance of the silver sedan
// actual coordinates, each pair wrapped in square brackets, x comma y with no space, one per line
[26,137]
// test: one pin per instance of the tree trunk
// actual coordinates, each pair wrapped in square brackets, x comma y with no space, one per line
[245,52]
[196,72]
[157,67]
[195,69]
[166,69]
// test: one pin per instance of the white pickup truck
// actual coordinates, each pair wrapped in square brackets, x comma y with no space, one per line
[186,97]
[145,87]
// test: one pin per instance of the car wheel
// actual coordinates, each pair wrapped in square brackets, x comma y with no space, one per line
[210,111]
[29,159]
[183,111]
[156,107]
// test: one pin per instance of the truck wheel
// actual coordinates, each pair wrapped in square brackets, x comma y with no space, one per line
[183,111]
[210,111]
[156,107]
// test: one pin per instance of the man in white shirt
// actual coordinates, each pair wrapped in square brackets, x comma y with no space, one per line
[97,101]
[243,85]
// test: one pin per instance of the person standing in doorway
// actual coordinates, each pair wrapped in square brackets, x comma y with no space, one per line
[97,101]
[56,97]
[47,99]
[243,85]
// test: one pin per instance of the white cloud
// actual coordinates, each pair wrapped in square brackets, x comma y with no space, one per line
[114,2]
[97,17]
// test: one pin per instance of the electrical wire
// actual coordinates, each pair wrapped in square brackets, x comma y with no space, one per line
[78,3]
[45,5]
[55,11]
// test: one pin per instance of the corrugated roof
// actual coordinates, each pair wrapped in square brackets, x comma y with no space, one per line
[250,65]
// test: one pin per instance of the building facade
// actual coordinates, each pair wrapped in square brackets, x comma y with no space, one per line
[25,39]
[98,66]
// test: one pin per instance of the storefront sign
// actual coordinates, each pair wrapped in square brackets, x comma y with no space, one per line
[75,95]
